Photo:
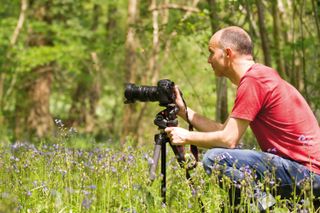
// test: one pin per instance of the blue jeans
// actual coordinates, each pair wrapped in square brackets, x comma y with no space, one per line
[237,164]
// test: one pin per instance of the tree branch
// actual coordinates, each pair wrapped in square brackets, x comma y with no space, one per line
[175,6]
[24,5]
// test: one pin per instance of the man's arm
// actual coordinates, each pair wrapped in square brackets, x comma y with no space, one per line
[227,137]
[202,123]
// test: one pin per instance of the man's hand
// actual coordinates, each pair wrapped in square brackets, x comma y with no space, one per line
[177,135]
[179,102]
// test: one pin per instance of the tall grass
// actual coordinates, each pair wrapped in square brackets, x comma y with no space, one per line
[73,175]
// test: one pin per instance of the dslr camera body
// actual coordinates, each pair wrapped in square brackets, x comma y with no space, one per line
[163,92]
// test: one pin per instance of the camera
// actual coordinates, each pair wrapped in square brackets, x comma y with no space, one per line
[163,92]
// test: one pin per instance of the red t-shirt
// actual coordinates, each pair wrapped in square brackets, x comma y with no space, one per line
[281,119]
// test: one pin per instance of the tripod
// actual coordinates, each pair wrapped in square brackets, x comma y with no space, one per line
[165,118]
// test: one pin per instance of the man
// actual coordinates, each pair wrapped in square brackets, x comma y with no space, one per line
[283,123]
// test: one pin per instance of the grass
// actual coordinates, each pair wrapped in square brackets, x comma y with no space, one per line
[73,175]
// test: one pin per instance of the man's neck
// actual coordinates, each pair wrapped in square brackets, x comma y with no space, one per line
[240,67]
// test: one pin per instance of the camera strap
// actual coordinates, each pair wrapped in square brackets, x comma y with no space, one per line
[195,153]
[193,148]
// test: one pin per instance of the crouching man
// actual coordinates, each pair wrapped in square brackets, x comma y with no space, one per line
[280,118]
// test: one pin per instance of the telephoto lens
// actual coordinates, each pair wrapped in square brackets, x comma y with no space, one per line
[134,93]
[163,92]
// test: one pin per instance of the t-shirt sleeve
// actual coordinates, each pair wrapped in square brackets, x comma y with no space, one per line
[249,99]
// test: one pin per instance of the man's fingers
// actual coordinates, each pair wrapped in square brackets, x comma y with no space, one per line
[168,129]
[177,91]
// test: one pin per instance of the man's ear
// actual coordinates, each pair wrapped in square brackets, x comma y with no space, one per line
[228,52]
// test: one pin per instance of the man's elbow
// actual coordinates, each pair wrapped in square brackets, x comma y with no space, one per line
[231,142]
[232,145]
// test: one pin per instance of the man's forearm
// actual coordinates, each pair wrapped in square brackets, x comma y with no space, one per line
[209,139]
[202,123]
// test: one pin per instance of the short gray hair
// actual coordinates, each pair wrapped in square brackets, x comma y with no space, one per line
[236,38]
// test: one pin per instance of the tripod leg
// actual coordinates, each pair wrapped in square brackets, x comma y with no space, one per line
[163,172]
[153,167]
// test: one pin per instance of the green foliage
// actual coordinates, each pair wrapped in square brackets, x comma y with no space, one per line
[63,176]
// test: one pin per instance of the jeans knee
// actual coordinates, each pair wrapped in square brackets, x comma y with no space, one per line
[210,158]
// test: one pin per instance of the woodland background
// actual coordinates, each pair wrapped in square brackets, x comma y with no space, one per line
[64,63]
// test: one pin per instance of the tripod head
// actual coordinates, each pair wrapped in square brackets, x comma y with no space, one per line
[167,117]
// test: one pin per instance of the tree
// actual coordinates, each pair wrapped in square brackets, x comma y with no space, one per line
[263,33]
[221,83]
[130,67]
[32,110]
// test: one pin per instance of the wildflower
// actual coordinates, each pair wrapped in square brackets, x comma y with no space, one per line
[273,150]
[150,161]
[62,172]
[73,130]
[29,193]
[58,122]
[129,210]
[194,192]
[174,167]
[86,203]
[92,187]
[85,192]
[136,187]
[130,157]
[113,169]
[272,182]
[69,190]
[56,146]
[14,159]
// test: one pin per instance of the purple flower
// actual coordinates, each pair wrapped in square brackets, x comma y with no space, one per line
[113,169]
[86,203]
[273,150]
[92,187]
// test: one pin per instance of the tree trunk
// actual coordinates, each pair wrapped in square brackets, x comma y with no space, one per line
[221,83]
[84,102]
[315,8]
[276,39]
[39,120]
[112,22]
[130,70]
[294,74]
[13,41]
[37,116]
[263,33]
[303,52]
[284,32]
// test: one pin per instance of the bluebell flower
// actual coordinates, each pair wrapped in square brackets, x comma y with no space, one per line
[92,187]
[86,203]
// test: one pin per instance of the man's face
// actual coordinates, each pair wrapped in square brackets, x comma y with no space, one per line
[216,58]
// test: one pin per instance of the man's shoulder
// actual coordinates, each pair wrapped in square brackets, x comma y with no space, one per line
[260,70]
[264,75]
